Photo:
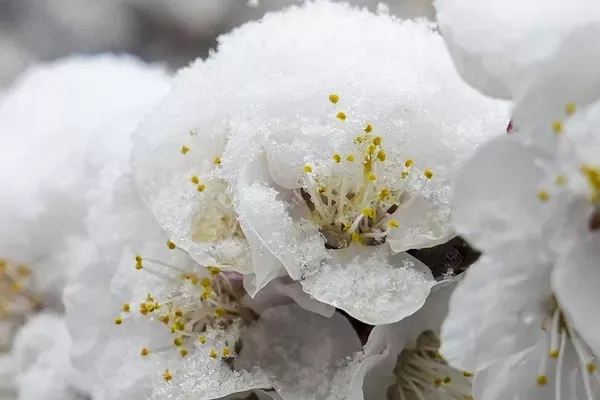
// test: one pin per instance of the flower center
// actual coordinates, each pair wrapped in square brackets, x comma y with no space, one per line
[561,333]
[16,299]
[353,196]
[200,307]
[422,374]
[215,219]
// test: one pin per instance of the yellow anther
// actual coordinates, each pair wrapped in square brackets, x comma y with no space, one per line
[180,326]
[350,158]
[184,149]
[164,319]
[201,187]
[467,374]
[322,189]
[217,161]
[138,258]
[226,352]
[202,339]
[171,245]
[126,307]
[173,328]
[591,367]
[355,237]
[437,382]
[368,212]
[359,139]
[554,353]
[220,312]
[428,173]
[570,108]
[543,195]
[334,98]
[346,227]
[118,320]
[178,313]
[393,224]
[409,163]
[381,156]
[447,379]
[307,169]
[377,140]
[384,194]
[404,175]
[145,352]
[372,177]
[195,180]
[542,380]
[214,270]
[557,127]
[337,158]
[23,271]
[183,353]
[372,148]
[149,297]
[178,342]
[560,180]
[368,128]
[205,282]
[341,116]
[206,294]
[167,376]
[213,353]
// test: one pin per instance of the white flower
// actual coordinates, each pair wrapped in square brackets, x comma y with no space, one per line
[401,360]
[148,322]
[61,123]
[496,44]
[360,145]
[41,359]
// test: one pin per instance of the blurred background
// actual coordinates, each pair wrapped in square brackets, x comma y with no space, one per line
[170,31]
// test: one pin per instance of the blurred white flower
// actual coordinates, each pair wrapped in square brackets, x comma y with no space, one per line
[496,44]
[61,124]
[167,326]
[41,361]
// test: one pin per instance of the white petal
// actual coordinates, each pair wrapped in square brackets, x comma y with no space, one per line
[495,42]
[495,195]
[496,310]
[576,279]
[371,284]
[420,227]
[299,350]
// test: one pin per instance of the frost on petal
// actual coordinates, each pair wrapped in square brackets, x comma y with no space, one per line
[494,43]
[496,197]
[576,279]
[508,287]
[41,355]
[178,161]
[61,123]
[299,351]
[371,284]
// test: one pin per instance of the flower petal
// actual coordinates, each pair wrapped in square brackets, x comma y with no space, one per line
[495,195]
[576,279]
[299,350]
[371,284]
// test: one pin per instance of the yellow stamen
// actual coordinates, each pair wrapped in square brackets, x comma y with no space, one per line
[350,157]
[557,127]
[167,375]
[542,380]
[377,140]
[171,245]
[184,149]
[201,187]
[226,352]
[543,195]
[213,353]
[118,320]
[214,270]
[570,108]
[368,128]
[428,173]
[126,307]
[195,180]
[337,158]
[217,161]
[394,224]
[334,98]
[202,339]
[307,169]
[145,352]
[341,116]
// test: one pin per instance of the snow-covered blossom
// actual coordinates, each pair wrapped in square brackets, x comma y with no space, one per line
[337,145]
[41,360]
[402,361]
[149,322]
[496,44]
[60,124]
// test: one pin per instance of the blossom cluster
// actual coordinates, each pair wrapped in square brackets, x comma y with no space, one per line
[327,207]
